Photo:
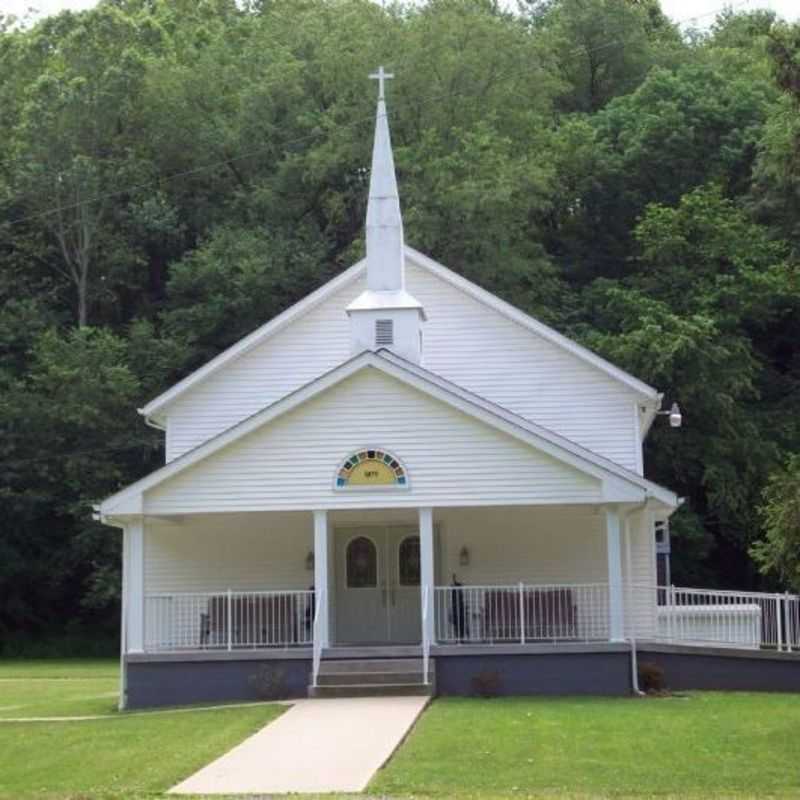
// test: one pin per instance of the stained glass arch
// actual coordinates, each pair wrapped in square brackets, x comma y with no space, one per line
[371,467]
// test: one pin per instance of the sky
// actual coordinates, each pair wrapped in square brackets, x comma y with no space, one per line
[703,11]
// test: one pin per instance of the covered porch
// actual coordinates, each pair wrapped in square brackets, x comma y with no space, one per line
[305,581]
[552,598]
[300,582]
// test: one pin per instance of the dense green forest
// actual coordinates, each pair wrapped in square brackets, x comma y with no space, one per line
[173,173]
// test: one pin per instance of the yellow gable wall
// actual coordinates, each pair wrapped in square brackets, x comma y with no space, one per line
[451,458]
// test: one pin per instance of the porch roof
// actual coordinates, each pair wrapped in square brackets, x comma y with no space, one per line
[623,484]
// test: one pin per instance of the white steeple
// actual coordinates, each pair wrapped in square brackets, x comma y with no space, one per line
[385,315]
[385,256]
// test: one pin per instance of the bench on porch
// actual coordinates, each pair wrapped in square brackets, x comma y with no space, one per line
[256,620]
[547,614]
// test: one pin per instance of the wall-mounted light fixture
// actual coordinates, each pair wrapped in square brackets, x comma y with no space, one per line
[310,561]
[463,556]
[675,416]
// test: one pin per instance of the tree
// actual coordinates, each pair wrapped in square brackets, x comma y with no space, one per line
[778,553]
[776,186]
[179,171]
[71,144]
[604,48]
[701,316]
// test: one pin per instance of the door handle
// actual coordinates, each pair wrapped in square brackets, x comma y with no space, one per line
[384,592]
[392,588]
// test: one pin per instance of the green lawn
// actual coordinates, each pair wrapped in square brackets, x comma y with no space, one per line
[82,668]
[707,744]
[58,688]
[703,745]
[121,755]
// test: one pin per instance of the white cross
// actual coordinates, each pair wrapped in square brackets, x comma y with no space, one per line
[381,76]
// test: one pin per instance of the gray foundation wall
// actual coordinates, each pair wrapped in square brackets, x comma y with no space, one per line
[175,683]
[540,674]
[167,682]
[714,668]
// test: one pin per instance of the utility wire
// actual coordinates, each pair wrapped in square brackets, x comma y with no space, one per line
[577,53]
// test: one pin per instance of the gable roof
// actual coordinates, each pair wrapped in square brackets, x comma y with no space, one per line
[311,301]
[431,384]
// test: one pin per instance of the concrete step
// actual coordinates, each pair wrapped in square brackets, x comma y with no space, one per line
[373,651]
[330,667]
[371,690]
[371,678]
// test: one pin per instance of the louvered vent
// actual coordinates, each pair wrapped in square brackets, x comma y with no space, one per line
[384,332]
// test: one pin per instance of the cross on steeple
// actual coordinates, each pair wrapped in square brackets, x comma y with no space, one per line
[381,76]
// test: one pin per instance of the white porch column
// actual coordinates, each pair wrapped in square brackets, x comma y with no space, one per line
[615,591]
[321,572]
[133,554]
[426,573]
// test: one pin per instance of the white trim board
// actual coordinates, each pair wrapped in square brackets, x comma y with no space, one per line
[650,396]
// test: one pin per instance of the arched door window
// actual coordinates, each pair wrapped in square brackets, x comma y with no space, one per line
[362,564]
[408,561]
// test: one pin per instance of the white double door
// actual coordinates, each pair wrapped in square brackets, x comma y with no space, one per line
[378,585]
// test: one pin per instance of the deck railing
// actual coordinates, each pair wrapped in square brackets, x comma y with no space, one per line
[728,618]
[228,620]
[522,613]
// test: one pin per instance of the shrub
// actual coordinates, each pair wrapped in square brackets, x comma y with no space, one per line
[651,677]
[486,683]
[269,683]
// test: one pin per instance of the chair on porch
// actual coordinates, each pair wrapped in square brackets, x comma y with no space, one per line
[548,614]
[255,621]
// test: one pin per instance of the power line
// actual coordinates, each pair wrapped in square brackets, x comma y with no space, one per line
[577,53]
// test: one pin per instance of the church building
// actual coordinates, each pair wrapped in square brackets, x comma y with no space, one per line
[401,484]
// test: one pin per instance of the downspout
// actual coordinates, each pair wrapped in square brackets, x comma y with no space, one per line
[629,574]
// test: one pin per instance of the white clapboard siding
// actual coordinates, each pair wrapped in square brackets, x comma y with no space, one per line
[539,545]
[217,552]
[534,545]
[640,595]
[465,341]
[481,350]
[305,349]
[451,458]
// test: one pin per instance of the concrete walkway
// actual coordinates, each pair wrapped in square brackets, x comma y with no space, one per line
[331,745]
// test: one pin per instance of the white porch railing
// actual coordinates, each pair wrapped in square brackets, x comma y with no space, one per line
[728,618]
[521,613]
[228,620]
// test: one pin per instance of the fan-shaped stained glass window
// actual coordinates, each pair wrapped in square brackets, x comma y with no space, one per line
[408,561]
[371,468]
[362,564]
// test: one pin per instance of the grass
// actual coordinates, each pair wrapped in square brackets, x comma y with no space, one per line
[63,687]
[120,755]
[703,745]
[59,668]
